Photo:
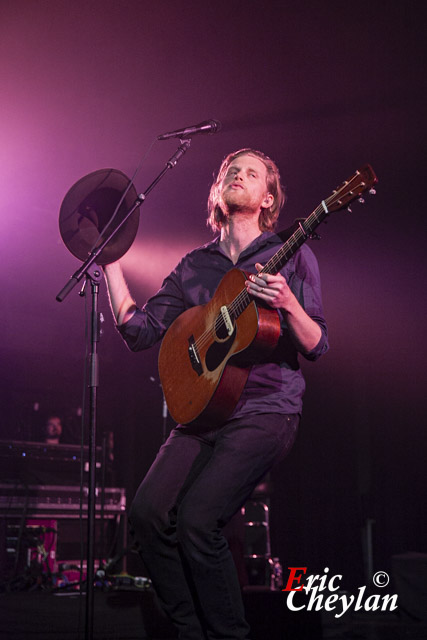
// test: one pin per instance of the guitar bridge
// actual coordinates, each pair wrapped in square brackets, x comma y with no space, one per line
[194,356]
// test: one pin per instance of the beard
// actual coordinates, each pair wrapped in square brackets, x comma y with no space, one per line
[237,200]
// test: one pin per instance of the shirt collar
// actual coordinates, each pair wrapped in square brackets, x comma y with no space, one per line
[267,237]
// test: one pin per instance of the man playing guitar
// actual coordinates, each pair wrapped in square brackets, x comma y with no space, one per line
[208,467]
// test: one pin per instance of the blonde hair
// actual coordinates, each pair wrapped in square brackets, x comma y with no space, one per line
[268,216]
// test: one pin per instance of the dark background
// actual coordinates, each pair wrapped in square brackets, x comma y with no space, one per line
[321,87]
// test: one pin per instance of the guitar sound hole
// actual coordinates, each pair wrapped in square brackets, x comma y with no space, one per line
[218,351]
[221,332]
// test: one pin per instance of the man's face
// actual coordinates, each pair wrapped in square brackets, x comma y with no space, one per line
[53,427]
[244,187]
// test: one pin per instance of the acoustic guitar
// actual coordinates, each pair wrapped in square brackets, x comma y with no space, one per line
[207,352]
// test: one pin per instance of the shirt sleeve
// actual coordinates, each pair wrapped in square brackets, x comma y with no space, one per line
[150,323]
[305,284]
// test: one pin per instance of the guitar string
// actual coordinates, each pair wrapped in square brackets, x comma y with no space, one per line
[241,300]
[243,297]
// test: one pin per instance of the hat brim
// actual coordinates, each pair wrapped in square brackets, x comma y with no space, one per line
[86,212]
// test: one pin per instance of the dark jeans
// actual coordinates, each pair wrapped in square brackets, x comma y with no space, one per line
[194,487]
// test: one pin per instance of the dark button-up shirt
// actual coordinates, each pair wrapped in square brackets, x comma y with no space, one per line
[275,386]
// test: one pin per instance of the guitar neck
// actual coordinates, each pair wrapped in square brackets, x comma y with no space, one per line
[296,240]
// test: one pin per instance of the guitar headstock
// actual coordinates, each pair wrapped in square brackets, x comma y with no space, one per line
[363,180]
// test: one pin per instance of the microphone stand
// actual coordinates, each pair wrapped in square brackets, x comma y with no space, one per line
[93,273]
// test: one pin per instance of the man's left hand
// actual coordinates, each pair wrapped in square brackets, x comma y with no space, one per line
[273,290]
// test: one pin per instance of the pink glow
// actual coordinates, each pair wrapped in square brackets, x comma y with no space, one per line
[148,262]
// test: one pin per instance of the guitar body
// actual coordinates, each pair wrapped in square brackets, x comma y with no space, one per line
[204,364]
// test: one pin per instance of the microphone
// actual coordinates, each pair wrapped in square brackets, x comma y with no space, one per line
[208,126]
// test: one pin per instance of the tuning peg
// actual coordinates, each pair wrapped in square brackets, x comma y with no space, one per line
[349,210]
[372,191]
[361,200]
